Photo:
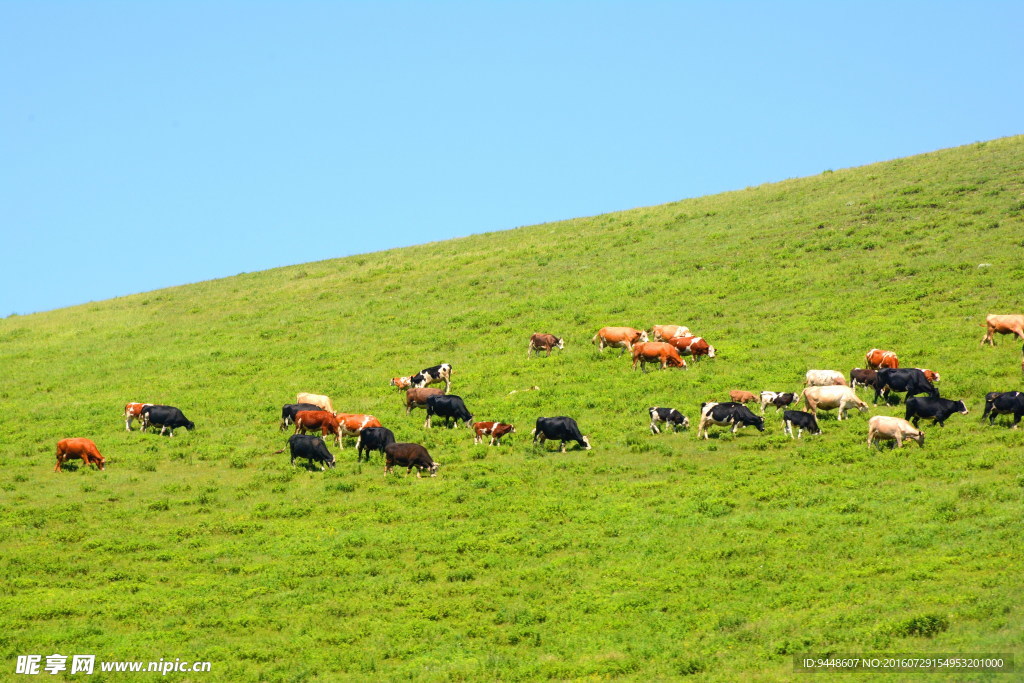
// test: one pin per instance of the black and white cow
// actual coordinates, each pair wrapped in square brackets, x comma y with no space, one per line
[669,416]
[449,407]
[936,409]
[910,380]
[438,373]
[562,429]
[800,420]
[310,447]
[779,400]
[289,410]
[165,417]
[731,414]
[1005,403]
[990,397]
[373,439]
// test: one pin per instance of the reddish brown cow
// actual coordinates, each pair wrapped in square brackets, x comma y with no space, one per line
[656,352]
[312,420]
[352,424]
[1002,324]
[78,448]
[401,382]
[929,375]
[132,412]
[417,397]
[880,358]
[740,396]
[618,337]
[544,342]
[666,332]
[689,345]
[495,430]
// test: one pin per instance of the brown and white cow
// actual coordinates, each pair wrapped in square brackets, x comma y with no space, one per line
[618,338]
[1002,324]
[930,375]
[322,420]
[896,429]
[880,358]
[657,352]
[132,412]
[78,448]
[740,396]
[689,345]
[352,424]
[823,378]
[544,342]
[401,382]
[666,332]
[831,397]
[495,430]
[316,399]
[417,397]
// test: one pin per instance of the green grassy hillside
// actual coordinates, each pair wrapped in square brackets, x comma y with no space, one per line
[652,557]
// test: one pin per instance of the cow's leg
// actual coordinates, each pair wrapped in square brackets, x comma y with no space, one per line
[1016,420]
[654,428]
[563,447]
[426,425]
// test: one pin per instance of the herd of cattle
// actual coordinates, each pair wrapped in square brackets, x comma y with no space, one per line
[824,390]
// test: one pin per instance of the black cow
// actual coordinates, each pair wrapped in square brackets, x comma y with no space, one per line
[1004,403]
[165,417]
[447,406]
[937,409]
[562,429]
[724,414]
[864,377]
[289,410]
[910,380]
[408,455]
[800,420]
[669,416]
[373,439]
[438,373]
[309,447]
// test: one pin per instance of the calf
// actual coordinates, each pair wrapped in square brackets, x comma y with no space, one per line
[800,420]
[740,396]
[823,378]
[311,448]
[433,375]
[417,398]
[727,414]
[132,412]
[1005,403]
[669,416]
[495,430]
[1002,324]
[937,409]
[544,342]
[910,380]
[880,358]
[618,337]
[562,429]
[165,417]
[289,411]
[829,398]
[408,455]
[779,400]
[449,407]
[893,428]
[313,420]
[373,439]
[864,377]
[78,449]
[320,401]
[656,352]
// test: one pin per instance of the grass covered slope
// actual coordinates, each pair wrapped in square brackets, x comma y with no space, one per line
[653,556]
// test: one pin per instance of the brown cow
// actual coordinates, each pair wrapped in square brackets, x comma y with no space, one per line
[495,430]
[313,420]
[880,358]
[401,382]
[1002,324]
[352,424]
[739,396]
[132,412]
[417,398]
[78,448]
[618,337]
[657,352]
[689,345]
[666,332]
[409,455]
[544,342]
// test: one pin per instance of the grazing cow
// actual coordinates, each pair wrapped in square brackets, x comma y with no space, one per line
[936,409]
[562,429]
[990,398]
[433,375]
[1002,324]
[830,398]
[880,358]
[824,378]
[417,398]
[779,400]
[1005,403]
[740,396]
[910,380]
[727,414]
[669,416]
[864,377]
[373,439]
[495,430]
[618,337]
[289,411]
[313,420]
[311,448]
[656,352]
[930,375]
[401,382]
[800,420]
[78,449]
[448,407]
[408,455]
[322,402]
[689,345]
[544,342]
[889,428]
[666,332]
[165,417]
[353,424]
[132,412]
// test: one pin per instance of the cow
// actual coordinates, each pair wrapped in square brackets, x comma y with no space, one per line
[800,420]
[165,417]
[990,398]
[936,409]
[656,352]
[727,414]
[353,424]
[864,377]
[669,416]
[880,358]
[889,428]
[562,429]
[311,448]
[401,382]
[1002,324]
[689,345]
[1005,403]
[132,412]
[910,380]
[824,378]
[779,400]
[544,342]
[409,455]
[618,337]
[930,375]
[322,402]
[78,449]
[829,398]
[313,420]
[448,407]
[666,332]
[289,410]
[740,396]
[373,439]
[433,375]
[417,398]
[495,430]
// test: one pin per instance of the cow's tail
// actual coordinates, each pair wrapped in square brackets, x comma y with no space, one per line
[279,452]
[594,340]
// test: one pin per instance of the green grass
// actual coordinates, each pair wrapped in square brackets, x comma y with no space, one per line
[649,557]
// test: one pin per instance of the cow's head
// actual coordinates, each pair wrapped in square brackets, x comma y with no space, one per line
[758,422]
[711,351]
[189,425]
[643,336]
[561,343]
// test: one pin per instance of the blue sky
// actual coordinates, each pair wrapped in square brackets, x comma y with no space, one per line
[151,144]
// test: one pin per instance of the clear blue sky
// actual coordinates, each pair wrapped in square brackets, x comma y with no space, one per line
[149,144]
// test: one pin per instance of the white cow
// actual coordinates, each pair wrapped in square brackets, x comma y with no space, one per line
[830,398]
[317,400]
[893,428]
[823,378]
